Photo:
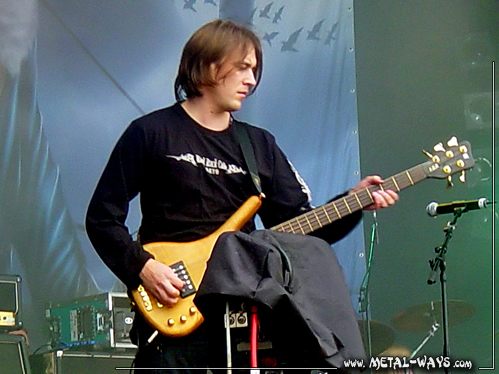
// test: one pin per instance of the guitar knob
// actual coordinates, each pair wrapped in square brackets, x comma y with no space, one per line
[183,319]
[171,322]
[192,310]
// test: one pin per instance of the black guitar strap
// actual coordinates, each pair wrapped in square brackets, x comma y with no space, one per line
[249,155]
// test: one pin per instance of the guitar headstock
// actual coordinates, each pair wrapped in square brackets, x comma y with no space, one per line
[447,161]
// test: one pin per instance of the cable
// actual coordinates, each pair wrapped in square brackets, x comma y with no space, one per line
[364,287]
[254,339]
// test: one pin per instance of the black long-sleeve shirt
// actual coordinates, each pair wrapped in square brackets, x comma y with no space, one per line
[190,180]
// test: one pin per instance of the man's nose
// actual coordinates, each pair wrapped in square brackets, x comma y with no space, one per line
[250,78]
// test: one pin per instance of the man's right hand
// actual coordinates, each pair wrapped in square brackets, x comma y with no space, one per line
[161,282]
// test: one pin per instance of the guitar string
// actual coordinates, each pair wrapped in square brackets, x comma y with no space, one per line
[318,217]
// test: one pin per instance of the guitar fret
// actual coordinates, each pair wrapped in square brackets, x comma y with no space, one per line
[358,201]
[395,184]
[370,196]
[291,227]
[299,226]
[336,209]
[317,218]
[308,222]
[327,215]
[346,204]
[409,180]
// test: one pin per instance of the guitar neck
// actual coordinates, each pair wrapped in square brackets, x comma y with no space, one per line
[334,210]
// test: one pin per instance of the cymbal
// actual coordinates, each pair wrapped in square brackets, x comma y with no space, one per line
[382,336]
[420,318]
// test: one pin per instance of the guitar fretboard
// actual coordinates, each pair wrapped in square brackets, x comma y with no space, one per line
[334,210]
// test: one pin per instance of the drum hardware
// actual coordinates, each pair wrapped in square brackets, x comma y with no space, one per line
[382,336]
[428,317]
[420,318]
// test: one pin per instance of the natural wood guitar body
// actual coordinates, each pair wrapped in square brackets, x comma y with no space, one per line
[183,318]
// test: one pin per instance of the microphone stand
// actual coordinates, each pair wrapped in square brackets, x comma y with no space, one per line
[439,264]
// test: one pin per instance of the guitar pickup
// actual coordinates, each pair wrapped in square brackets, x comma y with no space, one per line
[181,271]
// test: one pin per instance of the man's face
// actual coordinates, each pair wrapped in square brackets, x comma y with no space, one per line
[234,78]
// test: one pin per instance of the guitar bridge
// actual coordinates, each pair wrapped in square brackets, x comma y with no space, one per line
[181,271]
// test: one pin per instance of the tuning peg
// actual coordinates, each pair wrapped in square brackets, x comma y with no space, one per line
[439,148]
[462,177]
[452,142]
[428,154]
[449,182]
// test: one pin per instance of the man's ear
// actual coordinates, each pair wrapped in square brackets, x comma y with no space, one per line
[214,70]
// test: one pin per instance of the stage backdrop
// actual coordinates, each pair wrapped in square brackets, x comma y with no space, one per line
[98,65]
[424,74]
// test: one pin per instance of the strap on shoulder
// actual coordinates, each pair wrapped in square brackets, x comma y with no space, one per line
[249,155]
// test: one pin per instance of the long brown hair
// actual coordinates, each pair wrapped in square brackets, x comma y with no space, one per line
[211,44]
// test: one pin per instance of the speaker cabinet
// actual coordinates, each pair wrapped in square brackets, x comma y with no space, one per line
[10,302]
[13,355]
[71,362]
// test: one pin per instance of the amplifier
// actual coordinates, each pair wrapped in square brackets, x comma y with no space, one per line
[13,355]
[10,302]
[70,362]
[100,321]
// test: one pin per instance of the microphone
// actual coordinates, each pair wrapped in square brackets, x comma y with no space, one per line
[433,209]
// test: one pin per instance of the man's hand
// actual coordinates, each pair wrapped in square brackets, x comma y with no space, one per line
[382,199]
[161,282]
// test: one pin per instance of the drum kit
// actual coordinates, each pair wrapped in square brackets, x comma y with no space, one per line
[425,317]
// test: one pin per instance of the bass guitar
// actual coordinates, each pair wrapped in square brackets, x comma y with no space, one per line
[188,260]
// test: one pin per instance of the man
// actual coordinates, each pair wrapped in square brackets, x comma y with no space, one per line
[187,165]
